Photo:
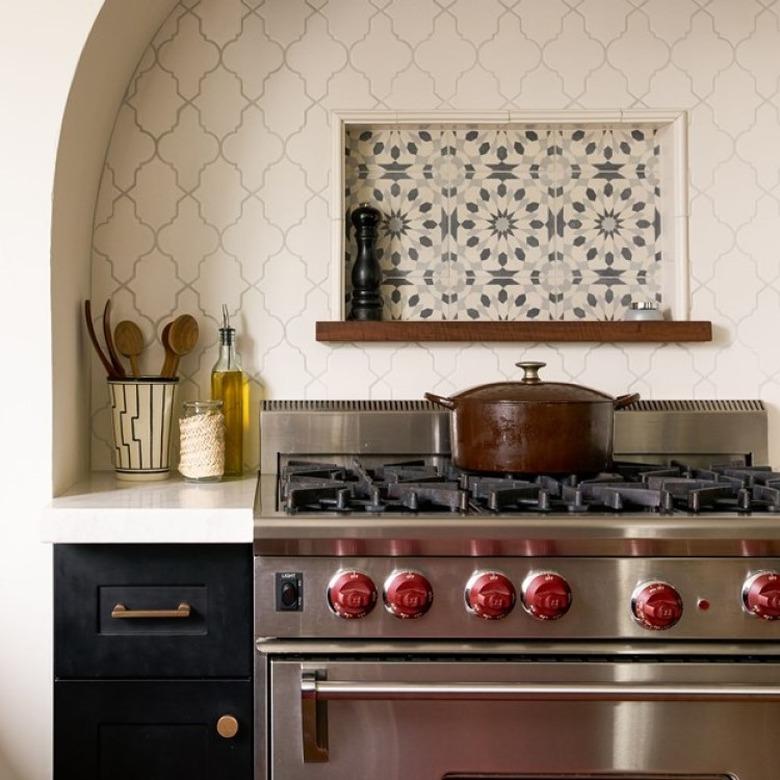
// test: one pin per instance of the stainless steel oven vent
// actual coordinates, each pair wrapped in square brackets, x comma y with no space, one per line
[349,406]
[697,405]
[700,431]
[396,429]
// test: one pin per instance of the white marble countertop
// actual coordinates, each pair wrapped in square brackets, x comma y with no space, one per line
[104,510]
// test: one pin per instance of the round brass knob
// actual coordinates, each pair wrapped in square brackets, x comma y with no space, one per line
[530,372]
[227,727]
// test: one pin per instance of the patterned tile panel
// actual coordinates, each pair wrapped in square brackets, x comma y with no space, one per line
[566,218]
[232,98]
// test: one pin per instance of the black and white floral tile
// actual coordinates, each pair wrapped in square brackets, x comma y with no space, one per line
[505,223]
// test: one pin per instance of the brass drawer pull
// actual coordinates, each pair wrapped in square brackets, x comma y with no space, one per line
[184,610]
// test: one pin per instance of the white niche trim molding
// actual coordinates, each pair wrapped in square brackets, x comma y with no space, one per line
[670,129]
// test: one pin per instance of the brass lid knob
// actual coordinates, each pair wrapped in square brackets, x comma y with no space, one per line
[530,372]
[227,727]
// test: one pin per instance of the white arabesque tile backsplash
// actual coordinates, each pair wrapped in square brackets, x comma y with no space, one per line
[217,180]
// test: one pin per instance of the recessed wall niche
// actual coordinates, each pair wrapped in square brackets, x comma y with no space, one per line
[528,219]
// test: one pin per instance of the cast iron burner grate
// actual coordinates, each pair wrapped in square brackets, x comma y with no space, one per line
[416,486]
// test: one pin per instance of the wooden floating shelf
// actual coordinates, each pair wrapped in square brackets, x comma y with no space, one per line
[459,330]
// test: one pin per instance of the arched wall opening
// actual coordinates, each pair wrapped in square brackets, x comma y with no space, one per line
[118,37]
[254,226]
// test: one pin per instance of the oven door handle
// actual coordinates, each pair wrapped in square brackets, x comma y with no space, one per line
[316,691]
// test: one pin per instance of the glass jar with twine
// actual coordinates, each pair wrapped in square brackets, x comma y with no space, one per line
[202,441]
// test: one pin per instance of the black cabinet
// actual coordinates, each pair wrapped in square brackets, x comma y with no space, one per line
[150,730]
[140,696]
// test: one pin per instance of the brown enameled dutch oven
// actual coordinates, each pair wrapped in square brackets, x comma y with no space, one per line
[532,427]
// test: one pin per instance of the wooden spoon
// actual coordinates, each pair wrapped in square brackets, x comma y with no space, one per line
[129,341]
[183,337]
[181,340]
[119,369]
[169,354]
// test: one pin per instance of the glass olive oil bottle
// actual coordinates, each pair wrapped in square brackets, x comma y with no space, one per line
[229,385]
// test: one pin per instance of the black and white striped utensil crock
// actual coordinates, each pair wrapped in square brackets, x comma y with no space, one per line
[142,416]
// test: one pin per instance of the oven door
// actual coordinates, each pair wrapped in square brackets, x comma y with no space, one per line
[450,719]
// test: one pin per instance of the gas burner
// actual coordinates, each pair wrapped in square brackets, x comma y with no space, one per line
[418,486]
[393,487]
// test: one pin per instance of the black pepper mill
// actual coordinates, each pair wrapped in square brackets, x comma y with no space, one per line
[366,274]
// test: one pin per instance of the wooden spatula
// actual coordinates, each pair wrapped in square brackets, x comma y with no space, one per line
[95,343]
[119,369]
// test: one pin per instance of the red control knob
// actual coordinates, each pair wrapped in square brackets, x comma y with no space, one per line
[490,595]
[761,595]
[546,595]
[408,594]
[351,594]
[656,605]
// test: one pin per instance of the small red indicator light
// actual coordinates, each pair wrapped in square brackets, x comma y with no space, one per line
[703,604]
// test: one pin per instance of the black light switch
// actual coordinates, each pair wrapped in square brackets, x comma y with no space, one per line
[289,591]
[289,594]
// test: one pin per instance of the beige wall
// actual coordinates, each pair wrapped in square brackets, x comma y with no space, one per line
[40,46]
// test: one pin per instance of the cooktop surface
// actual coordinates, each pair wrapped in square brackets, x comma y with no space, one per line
[417,486]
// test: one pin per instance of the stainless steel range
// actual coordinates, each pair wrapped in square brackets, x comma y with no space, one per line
[414,621]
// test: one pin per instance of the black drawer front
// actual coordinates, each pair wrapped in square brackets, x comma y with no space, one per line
[143,730]
[204,629]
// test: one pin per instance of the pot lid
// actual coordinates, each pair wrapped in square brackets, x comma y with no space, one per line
[532,389]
